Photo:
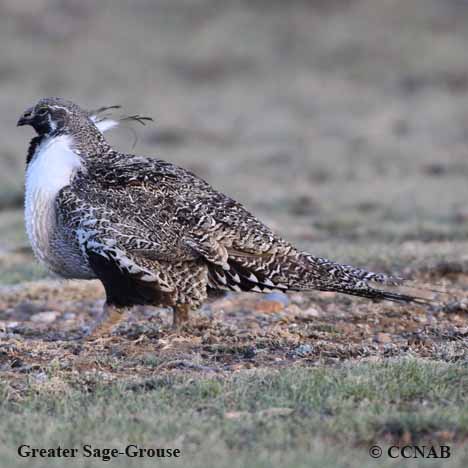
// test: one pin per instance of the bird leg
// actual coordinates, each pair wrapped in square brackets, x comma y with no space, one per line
[111,315]
[181,315]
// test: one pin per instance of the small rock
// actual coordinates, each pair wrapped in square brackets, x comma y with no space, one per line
[303,350]
[69,316]
[298,298]
[311,312]
[293,310]
[278,297]
[45,317]
[269,307]
[40,377]
[383,338]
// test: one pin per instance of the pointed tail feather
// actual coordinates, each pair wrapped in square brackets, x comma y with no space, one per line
[303,272]
[349,271]
[358,282]
[379,295]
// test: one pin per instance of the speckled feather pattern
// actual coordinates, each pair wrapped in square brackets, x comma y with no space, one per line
[171,231]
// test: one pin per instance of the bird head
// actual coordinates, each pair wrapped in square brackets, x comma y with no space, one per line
[53,116]
[59,116]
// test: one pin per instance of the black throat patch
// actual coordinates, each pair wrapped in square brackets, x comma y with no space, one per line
[33,144]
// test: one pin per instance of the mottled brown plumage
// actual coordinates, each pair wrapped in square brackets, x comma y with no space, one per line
[155,233]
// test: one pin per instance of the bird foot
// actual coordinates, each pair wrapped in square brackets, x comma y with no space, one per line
[104,324]
[181,317]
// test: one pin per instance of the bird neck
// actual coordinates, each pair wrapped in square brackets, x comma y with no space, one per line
[88,141]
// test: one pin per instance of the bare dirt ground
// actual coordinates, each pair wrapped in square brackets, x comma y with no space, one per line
[41,323]
[342,124]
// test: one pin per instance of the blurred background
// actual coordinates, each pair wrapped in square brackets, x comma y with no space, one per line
[343,124]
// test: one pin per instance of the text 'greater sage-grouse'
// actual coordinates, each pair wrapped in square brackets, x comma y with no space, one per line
[152,232]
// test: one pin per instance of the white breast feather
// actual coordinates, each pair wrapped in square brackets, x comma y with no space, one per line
[51,168]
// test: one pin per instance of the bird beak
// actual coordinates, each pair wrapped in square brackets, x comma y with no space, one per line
[26,118]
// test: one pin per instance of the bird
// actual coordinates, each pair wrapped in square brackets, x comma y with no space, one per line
[155,233]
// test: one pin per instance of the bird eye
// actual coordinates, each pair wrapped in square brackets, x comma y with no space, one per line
[42,111]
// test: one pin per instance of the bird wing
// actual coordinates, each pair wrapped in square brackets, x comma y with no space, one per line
[151,210]
[241,253]
[140,210]
[113,232]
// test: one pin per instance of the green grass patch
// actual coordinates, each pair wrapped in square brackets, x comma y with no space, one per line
[292,417]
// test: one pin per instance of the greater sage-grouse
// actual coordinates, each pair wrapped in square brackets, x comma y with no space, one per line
[152,232]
